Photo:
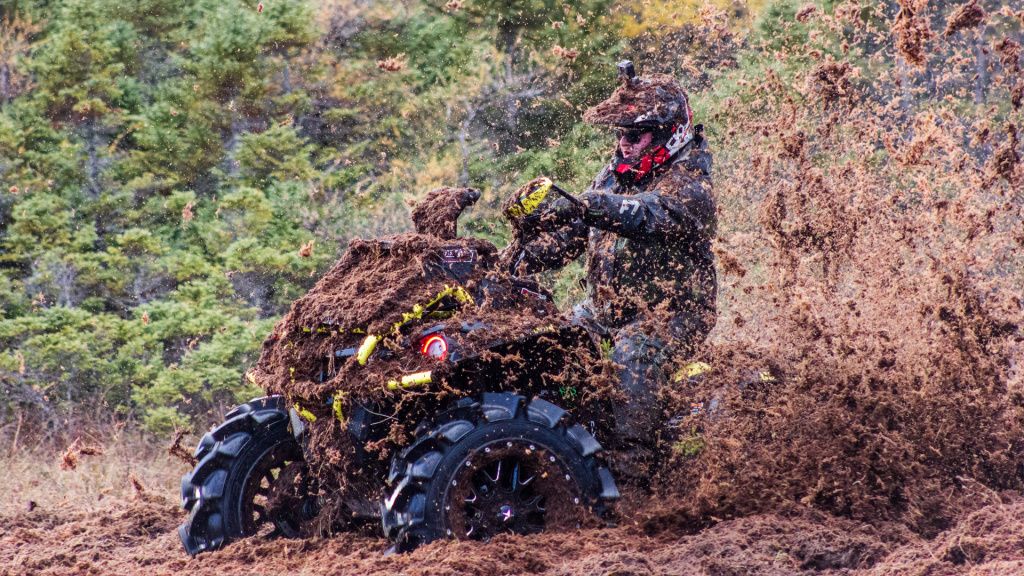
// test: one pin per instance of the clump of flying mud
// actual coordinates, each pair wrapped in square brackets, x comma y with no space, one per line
[868,363]
[886,308]
[912,31]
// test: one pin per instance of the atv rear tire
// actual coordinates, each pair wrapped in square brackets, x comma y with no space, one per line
[227,492]
[492,465]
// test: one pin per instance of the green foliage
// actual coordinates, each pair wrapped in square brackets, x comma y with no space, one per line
[133,254]
[173,140]
[72,355]
[79,64]
[573,160]
[778,26]
[171,159]
[210,376]
[275,155]
[437,48]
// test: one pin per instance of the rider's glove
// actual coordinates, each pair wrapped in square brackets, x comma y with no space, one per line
[596,207]
[613,212]
[564,211]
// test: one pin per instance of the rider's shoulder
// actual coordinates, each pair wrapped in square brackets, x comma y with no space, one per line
[697,159]
[604,181]
[689,170]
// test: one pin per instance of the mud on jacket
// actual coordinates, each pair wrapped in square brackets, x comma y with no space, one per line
[648,244]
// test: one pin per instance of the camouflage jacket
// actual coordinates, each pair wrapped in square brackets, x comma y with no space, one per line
[648,247]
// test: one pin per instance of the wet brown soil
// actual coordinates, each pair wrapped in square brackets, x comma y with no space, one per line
[965,16]
[623,107]
[136,536]
[911,31]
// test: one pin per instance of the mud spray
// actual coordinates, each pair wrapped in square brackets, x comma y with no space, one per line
[870,258]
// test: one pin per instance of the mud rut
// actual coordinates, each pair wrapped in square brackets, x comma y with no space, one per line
[882,292]
[136,536]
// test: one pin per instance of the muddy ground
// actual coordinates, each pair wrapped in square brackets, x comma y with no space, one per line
[136,535]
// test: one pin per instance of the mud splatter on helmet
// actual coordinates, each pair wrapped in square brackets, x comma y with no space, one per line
[655,102]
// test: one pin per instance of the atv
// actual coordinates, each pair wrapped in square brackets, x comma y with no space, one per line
[419,384]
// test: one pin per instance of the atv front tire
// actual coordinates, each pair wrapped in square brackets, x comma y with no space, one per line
[227,494]
[492,465]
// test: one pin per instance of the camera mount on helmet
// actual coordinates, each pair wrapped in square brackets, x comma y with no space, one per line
[627,72]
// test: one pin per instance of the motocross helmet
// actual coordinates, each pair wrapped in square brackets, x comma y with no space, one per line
[656,103]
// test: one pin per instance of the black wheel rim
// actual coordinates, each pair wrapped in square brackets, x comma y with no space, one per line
[261,511]
[503,488]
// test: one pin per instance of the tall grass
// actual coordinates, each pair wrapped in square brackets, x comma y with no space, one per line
[129,461]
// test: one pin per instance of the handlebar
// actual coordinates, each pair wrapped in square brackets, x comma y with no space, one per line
[568,196]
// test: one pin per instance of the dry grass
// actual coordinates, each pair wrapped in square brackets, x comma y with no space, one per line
[37,477]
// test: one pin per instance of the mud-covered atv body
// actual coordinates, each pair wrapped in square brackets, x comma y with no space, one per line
[419,384]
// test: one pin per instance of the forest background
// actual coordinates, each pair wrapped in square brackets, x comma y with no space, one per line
[174,174]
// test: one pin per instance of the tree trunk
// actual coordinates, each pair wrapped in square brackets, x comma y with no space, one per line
[508,37]
[5,83]
[286,78]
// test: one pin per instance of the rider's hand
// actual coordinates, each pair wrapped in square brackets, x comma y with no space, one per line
[598,205]
[563,211]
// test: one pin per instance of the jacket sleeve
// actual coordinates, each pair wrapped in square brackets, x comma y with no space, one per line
[552,248]
[679,207]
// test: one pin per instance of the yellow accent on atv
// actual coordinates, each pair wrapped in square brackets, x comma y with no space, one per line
[366,348]
[691,370]
[304,413]
[410,380]
[337,404]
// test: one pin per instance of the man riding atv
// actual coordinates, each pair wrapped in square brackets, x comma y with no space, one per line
[424,385]
[646,224]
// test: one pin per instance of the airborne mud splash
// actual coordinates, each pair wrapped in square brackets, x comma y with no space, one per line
[885,303]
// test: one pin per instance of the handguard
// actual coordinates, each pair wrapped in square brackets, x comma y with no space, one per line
[529,200]
[534,199]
